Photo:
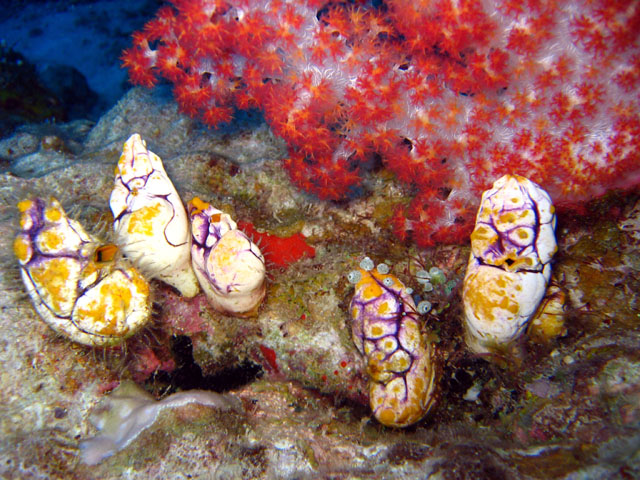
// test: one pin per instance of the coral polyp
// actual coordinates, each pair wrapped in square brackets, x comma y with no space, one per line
[386,329]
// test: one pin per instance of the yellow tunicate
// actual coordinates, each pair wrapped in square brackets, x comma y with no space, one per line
[398,358]
[62,267]
[548,323]
[506,278]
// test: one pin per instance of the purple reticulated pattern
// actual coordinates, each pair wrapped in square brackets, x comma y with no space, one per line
[34,223]
[378,327]
[199,228]
[512,217]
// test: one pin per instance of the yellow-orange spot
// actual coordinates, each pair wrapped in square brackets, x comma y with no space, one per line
[25,205]
[482,238]
[228,248]
[411,337]
[376,371]
[399,361]
[482,233]
[387,417]
[548,322]
[199,205]
[50,241]
[376,331]
[53,213]
[418,384]
[368,347]
[215,218]
[141,221]
[90,273]
[371,289]
[102,314]
[383,308]
[140,284]
[22,248]
[486,298]
[506,218]
[53,280]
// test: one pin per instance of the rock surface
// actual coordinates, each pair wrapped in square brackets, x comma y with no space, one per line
[568,409]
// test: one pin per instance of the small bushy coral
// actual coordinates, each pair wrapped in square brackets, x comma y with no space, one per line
[450,95]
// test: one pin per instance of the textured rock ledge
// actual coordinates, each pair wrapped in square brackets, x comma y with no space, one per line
[569,410]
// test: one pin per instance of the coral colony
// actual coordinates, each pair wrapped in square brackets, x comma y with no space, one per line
[449,95]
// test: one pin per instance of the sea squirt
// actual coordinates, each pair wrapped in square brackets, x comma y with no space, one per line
[150,222]
[227,263]
[386,329]
[509,268]
[81,288]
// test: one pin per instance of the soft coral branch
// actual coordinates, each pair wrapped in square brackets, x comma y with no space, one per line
[450,94]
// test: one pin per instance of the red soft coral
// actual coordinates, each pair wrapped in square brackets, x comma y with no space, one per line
[449,94]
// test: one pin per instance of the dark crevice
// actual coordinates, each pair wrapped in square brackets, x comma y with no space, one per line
[188,374]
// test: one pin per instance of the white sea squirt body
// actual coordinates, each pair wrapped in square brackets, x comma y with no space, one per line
[80,287]
[150,222]
[509,268]
[228,265]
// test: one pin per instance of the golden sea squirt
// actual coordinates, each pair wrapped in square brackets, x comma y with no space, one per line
[386,329]
[150,222]
[509,268]
[228,265]
[80,287]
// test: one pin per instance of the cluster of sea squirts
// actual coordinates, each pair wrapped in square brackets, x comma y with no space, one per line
[507,277]
[97,294]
